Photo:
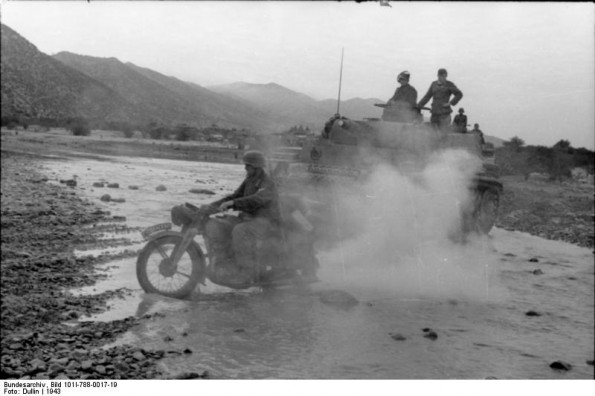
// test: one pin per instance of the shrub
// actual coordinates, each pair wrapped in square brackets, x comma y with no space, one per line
[10,122]
[184,132]
[156,133]
[80,130]
[78,126]
[127,131]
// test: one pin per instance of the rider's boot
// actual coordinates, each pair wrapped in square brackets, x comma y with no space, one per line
[220,258]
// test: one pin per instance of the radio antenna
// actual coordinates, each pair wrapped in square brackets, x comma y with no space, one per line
[340,80]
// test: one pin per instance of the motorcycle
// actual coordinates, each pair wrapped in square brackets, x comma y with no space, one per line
[173,263]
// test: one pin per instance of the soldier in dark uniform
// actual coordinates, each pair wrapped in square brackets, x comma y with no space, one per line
[403,102]
[257,200]
[441,91]
[478,132]
[460,122]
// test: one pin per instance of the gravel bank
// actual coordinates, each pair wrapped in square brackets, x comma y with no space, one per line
[42,223]
[549,210]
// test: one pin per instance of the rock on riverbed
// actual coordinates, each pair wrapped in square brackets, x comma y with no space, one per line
[35,341]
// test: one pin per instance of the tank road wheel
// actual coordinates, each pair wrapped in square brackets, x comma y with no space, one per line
[486,211]
[157,274]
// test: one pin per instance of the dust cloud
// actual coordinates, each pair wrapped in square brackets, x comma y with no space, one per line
[409,241]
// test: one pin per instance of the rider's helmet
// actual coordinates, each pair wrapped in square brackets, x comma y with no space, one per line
[461,110]
[254,158]
[442,72]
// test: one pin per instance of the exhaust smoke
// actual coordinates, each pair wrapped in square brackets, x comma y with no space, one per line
[409,240]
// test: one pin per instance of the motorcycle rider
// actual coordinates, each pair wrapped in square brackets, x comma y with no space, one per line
[233,239]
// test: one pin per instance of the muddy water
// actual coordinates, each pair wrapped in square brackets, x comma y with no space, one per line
[479,316]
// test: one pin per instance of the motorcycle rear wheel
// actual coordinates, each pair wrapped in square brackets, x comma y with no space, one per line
[156,274]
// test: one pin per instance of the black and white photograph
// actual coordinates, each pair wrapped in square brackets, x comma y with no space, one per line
[297,190]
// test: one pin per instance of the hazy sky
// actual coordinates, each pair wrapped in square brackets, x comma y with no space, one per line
[526,69]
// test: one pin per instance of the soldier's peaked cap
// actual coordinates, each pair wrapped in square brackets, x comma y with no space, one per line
[404,74]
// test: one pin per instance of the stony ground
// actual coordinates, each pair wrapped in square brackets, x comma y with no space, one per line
[549,210]
[42,223]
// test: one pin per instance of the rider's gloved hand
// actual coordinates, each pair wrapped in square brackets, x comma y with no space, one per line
[226,205]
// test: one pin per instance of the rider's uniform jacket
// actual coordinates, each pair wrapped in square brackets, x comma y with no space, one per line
[256,196]
[441,92]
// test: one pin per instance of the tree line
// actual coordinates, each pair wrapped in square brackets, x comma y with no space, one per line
[557,161]
[80,126]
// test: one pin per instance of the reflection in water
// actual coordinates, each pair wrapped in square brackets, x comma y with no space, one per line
[238,334]
[294,334]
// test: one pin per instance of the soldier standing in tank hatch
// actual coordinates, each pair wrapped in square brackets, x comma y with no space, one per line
[478,132]
[405,98]
[459,124]
[441,90]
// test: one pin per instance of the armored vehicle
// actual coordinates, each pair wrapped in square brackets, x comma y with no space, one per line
[347,151]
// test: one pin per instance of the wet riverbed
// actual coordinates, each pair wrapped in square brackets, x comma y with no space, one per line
[506,306]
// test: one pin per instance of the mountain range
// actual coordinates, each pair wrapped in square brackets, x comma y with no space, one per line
[36,85]
[103,90]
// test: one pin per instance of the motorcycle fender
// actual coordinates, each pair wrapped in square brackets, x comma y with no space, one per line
[193,245]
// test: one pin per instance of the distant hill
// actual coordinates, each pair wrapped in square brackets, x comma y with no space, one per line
[289,107]
[295,108]
[356,109]
[221,108]
[34,84]
[166,99]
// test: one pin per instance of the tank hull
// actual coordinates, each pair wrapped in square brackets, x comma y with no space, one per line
[347,152]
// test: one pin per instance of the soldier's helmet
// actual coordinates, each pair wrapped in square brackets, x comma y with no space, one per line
[254,158]
[404,75]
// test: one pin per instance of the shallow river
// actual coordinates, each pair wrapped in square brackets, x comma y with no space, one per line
[477,303]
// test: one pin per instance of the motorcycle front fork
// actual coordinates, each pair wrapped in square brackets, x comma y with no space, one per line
[180,248]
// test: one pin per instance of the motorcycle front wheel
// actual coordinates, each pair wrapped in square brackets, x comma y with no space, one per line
[157,274]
